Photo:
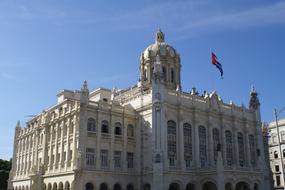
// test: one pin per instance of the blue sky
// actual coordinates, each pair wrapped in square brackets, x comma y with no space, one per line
[47,46]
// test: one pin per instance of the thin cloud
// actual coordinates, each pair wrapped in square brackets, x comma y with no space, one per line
[191,19]
[260,16]
[185,18]
[7,76]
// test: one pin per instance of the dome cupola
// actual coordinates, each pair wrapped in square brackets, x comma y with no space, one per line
[160,47]
[170,61]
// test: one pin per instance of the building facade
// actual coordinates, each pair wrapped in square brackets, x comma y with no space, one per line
[276,145]
[149,136]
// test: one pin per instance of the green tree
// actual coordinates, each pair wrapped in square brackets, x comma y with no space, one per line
[5,167]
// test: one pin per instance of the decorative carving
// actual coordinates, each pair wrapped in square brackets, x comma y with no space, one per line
[158,96]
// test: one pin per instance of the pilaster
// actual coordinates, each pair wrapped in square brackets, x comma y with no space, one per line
[67,160]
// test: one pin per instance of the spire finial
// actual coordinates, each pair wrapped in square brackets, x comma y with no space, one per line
[254,100]
[18,125]
[252,89]
[159,36]
[85,87]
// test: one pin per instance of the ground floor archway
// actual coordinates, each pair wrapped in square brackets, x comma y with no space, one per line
[229,186]
[209,186]
[190,186]
[174,186]
[242,186]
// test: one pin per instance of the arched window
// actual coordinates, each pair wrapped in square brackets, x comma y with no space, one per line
[89,186]
[60,186]
[255,186]
[187,131]
[130,130]
[171,142]
[241,149]
[130,187]
[91,125]
[275,154]
[216,143]
[283,153]
[228,186]
[103,186]
[105,127]
[209,186]
[202,146]
[117,187]
[229,148]
[174,186]
[252,149]
[147,186]
[190,186]
[49,187]
[54,187]
[118,128]
[67,186]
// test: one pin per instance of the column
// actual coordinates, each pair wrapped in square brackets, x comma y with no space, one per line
[56,147]
[74,149]
[181,142]
[98,145]
[61,145]
[222,138]
[247,149]
[210,150]
[28,154]
[124,152]
[67,159]
[36,150]
[50,148]
[112,141]
[235,144]
[196,143]
[45,146]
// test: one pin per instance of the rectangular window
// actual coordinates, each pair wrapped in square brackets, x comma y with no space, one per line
[171,161]
[117,159]
[90,156]
[104,158]
[188,163]
[64,156]
[277,168]
[130,159]
[172,75]
[52,159]
[70,154]
[278,180]
[274,139]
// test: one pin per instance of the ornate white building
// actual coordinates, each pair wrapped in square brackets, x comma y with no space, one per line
[149,136]
[277,143]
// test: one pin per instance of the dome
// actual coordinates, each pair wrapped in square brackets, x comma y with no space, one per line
[160,48]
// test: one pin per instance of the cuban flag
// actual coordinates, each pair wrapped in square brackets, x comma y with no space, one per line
[217,64]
